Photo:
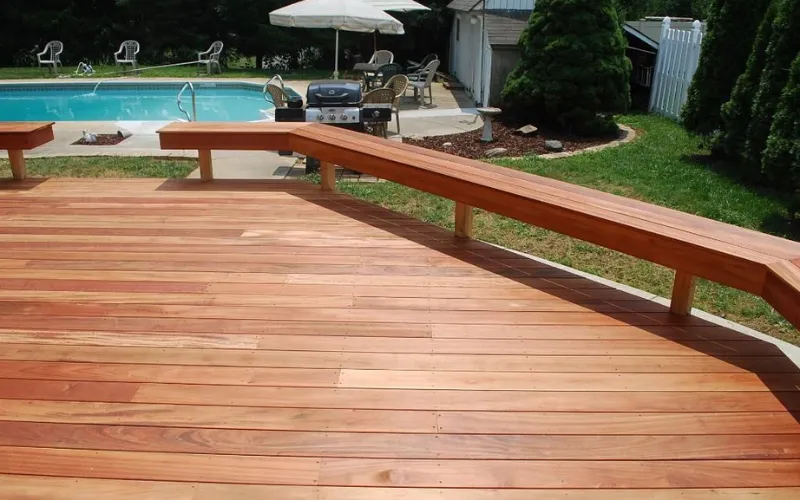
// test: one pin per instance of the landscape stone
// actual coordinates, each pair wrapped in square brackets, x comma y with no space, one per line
[447,145]
[527,130]
[496,152]
[554,146]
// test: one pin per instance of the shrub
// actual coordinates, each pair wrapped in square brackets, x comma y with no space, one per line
[783,48]
[781,159]
[736,113]
[731,29]
[573,71]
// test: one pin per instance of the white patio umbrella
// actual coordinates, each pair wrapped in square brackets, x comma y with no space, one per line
[347,15]
[396,5]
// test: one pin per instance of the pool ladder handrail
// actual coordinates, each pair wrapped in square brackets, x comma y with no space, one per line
[267,95]
[192,118]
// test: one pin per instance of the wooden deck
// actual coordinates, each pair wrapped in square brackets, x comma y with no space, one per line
[235,340]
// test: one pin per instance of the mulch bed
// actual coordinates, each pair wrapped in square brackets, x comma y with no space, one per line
[102,140]
[469,145]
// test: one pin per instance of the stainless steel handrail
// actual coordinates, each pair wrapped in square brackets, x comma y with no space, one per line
[192,118]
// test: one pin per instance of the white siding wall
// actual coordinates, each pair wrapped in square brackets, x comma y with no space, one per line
[509,4]
[466,52]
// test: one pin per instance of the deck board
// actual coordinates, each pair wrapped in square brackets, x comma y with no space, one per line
[170,339]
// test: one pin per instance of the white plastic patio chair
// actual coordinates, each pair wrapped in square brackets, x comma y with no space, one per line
[422,80]
[127,54]
[51,55]
[210,58]
[382,57]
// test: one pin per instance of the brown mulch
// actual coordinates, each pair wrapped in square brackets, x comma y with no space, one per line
[102,140]
[469,145]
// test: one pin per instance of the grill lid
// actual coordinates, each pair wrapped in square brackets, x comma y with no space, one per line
[333,93]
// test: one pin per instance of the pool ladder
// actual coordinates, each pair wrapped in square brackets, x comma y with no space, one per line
[193,117]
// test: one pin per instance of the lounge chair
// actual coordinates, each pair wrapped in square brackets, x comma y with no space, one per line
[51,55]
[398,83]
[422,80]
[382,57]
[414,67]
[127,54]
[210,58]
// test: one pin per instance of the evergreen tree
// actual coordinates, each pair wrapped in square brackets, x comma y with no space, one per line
[732,26]
[573,71]
[783,48]
[736,113]
[781,160]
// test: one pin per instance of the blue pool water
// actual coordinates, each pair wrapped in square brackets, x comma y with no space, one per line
[234,102]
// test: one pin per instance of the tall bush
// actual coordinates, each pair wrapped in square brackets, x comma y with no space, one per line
[731,29]
[737,112]
[573,71]
[783,48]
[781,159]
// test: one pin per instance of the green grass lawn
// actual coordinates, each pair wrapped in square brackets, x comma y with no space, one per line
[666,167]
[103,166]
[173,72]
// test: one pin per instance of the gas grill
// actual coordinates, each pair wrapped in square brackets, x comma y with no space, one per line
[333,102]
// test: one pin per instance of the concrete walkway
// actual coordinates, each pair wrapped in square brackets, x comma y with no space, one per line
[452,112]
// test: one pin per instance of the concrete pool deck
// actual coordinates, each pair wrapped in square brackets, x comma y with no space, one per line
[452,112]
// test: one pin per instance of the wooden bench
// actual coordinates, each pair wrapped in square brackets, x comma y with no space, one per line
[19,136]
[693,246]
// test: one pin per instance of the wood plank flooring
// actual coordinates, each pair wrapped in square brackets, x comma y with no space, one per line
[174,340]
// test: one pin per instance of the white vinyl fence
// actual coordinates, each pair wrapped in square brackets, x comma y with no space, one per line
[678,56]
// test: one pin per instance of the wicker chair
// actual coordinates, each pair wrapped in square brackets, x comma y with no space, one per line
[398,84]
[378,96]
[279,96]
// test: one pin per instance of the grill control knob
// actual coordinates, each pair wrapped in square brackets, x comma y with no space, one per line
[376,114]
[332,117]
[344,117]
[320,117]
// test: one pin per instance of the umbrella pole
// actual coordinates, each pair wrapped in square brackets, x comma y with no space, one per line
[336,59]
[375,41]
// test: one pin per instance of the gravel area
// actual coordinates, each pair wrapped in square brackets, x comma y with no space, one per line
[469,145]
[102,140]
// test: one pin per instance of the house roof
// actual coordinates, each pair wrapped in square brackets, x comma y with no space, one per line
[463,5]
[648,30]
[504,30]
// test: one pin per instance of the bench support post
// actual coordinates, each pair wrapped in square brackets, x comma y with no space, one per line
[682,294]
[328,173]
[206,167]
[463,220]
[17,160]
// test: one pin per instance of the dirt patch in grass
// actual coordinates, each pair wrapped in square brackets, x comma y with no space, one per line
[102,140]
[469,145]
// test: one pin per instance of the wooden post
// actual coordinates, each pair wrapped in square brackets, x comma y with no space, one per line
[463,220]
[682,294]
[206,167]
[328,173]
[17,160]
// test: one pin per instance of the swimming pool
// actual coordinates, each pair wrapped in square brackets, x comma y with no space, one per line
[137,101]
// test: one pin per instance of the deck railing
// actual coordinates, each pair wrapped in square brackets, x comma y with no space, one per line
[693,246]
